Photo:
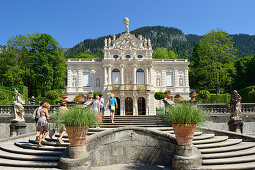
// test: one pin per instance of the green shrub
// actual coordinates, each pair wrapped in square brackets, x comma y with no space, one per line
[6,96]
[203,94]
[159,95]
[251,94]
[216,98]
[167,92]
[184,114]
[78,96]
[244,94]
[96,93]
[42,99]
[78,116]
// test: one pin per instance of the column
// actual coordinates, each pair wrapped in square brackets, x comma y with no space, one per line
[69,78]
[80,73]
[110,75]
[105,76]
[176,78]
[163,79]
[151,77]
[186,77]
[146,75]
[147,105]
[122,104]
[134,76]
[135,106]
[122,77]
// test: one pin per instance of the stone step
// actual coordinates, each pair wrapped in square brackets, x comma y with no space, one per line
[203,136]
[162,128]
[131,123]
[239,146]
[249,165]
[116,126]
[215,139]
[249,151]
[195,134]
[34,164]
[232,160]
[19,150]
[219,144]
[49,143]
[25,157]
[29,145]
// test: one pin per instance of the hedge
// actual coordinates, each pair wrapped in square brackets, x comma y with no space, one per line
[244,94]
[216,98]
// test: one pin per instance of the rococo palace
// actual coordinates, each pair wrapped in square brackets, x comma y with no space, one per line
[129,72]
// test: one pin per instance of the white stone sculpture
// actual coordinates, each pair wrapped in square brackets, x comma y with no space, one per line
[105,42]
[18,107]
[126,22]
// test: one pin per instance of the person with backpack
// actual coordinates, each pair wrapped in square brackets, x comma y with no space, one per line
[36,119]
[112,105]
[101,100]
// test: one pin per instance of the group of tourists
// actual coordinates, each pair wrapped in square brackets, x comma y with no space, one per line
[98,105]
[42,116]
[41,119]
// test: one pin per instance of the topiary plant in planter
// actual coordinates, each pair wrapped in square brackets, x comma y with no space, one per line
[184,118]
[77,121]
[178,98]
[79,98]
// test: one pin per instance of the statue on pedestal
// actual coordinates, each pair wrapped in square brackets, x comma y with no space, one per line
[235,123]
[235,105]
[18,107]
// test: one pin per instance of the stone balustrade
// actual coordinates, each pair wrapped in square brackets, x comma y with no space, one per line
[29,109]
[211,108]
[221,108]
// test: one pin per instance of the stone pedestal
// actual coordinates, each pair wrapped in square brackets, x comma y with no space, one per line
[76,152]
[235,124]
[187,157]
[17,128]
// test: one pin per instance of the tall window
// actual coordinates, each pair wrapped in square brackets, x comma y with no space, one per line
[140,76]
[86,79]
[169,79]
[115,76]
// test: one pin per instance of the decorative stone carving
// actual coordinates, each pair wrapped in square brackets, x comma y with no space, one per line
[126,22]
[18,107]
[114,37]
[105,43]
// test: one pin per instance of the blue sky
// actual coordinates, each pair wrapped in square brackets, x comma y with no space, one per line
[72,21]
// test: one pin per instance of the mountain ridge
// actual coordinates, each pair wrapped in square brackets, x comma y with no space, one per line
[164,37]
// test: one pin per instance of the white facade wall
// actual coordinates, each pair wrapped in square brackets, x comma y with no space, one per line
[128,54]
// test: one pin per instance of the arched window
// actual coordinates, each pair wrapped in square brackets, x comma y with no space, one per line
[139,56]
[115,56]
[115,76]
[128,56]
[140,76]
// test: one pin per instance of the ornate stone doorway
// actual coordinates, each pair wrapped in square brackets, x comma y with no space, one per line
[128,106]
[118,109]
[141,106]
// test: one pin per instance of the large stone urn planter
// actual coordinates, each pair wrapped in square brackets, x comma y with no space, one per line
[168,96]
[77,137]
[80,100]
[184,133]
[90,96]
[64,96]
[178,100]
[193,96]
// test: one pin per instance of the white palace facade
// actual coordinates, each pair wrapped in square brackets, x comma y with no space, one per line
[129,72]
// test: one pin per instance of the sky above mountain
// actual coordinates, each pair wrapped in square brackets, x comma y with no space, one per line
[71,22]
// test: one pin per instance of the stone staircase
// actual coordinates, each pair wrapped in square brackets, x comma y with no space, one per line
[218,152]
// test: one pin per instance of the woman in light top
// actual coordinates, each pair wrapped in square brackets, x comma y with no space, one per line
[42,123]
[96,105]
[63,107]
[112,105]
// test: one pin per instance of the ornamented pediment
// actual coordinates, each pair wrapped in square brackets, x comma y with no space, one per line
[127,41]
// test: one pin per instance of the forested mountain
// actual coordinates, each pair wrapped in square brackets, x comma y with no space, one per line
[165,37]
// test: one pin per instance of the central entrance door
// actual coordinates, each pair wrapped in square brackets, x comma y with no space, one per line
[128,106]
[118,109]
[141,106]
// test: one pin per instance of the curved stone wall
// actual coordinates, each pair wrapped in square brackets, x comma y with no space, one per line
[131,145]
